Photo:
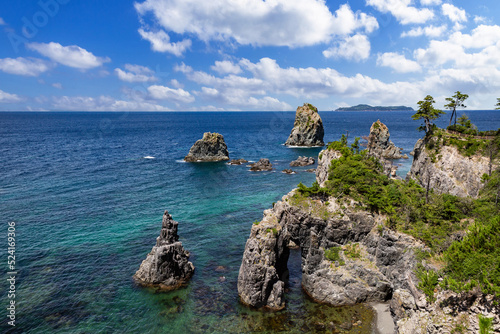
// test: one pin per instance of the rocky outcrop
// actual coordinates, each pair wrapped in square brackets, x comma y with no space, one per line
[448,171]
[288,171]
[210,148]
[237,162]
[308,128]
[371,262]
[448,313]
[324,161]
[261,165]
[379,144]
[302,161]
[166,266]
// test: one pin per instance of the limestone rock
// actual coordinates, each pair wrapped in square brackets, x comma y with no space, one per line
[451,172]
[210,148]
[308,128]
[261,165]
[302,161]
[166,266]
[325,159]
[379,144]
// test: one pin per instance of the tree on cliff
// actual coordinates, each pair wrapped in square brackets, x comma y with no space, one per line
[427,112]
[456,101]
[498,103]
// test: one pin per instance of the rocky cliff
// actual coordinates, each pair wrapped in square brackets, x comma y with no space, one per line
[379,144]
[346,257]
[446,170]
[324,161]
[307,129]
[166,266]
[210,148]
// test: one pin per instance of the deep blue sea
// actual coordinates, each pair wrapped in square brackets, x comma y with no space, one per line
[88,206]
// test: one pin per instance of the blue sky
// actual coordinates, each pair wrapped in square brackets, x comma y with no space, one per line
[192,55]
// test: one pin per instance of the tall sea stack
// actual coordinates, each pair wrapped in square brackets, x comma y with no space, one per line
[166,266]
[308,128]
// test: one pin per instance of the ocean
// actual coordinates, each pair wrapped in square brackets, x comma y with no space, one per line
[87,192]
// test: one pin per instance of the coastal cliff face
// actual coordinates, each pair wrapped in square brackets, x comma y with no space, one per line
[210,148]
[307,129]
[449,171]
[379,144]
[367,264]
[166,267]
[324,161]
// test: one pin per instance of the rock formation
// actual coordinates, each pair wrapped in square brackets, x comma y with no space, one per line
[383,261]
[379,144]
[166,266]
[302,161]
[448,171]
[210,148]
[308,128]
[324,161]
[261,165]
[288,171]
[237,162]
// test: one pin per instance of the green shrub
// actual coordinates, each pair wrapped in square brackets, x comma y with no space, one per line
[485,325]
[333,254]
[352,251]
[428,283]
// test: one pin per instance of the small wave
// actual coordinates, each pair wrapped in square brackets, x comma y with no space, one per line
[181,161]
[293,146]
[148,157]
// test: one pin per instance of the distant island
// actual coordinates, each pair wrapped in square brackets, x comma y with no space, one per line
[366,107]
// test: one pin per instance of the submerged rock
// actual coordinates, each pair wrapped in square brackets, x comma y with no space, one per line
[166,266]
[302,161]
[210,148]
[308,128]
[261,165]
[288,171]
[237,162]
[379,144]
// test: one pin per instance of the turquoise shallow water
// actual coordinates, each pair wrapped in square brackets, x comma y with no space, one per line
[88,209]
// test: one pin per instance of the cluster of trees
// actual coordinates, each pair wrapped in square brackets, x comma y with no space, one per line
[428,113]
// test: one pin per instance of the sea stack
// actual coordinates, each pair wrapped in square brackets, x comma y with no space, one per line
[379,144]
[210,148]
[308,128]
[166,267]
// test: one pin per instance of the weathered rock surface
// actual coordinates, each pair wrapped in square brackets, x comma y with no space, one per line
[166,266]
[325,159]
[307,129]
[237,162]
[261,165]
[210,148]
[449,312]
[379,144]
[302,161]
[385,262]
[451,172]
[288,171]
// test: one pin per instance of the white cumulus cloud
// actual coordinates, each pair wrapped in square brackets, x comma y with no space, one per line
[135,73]
[355,48]
[402,10]
[31,67]
[291,23]
[430,2]
[160,42]
[178,95]
[430,31]
[398,62]
[455,14]
[72,56]
[101,103]
[8,98]
[226,67]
